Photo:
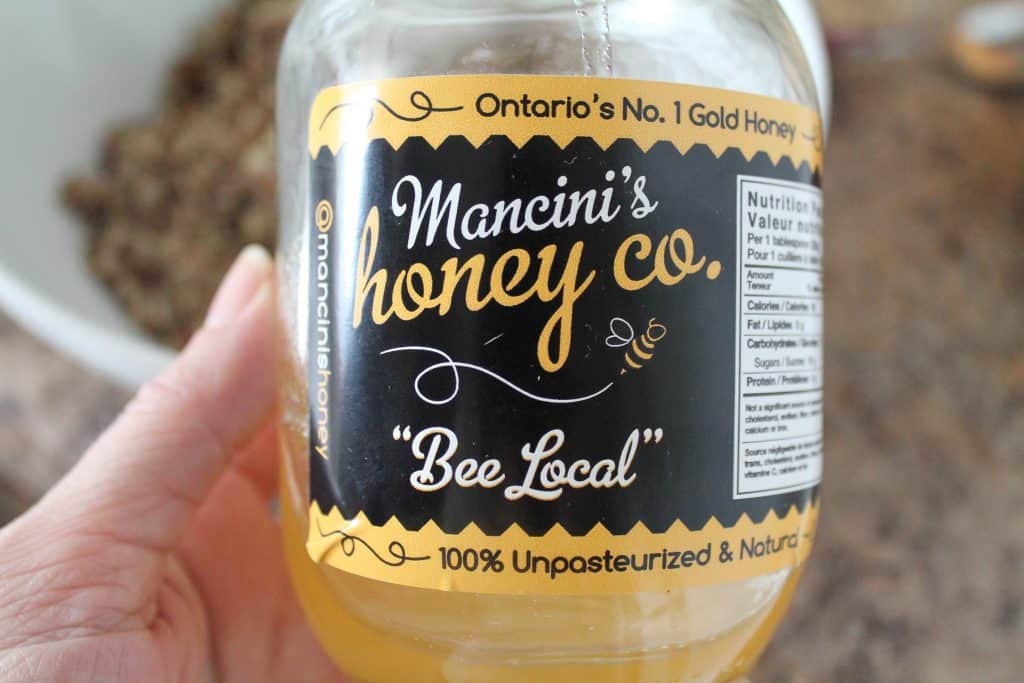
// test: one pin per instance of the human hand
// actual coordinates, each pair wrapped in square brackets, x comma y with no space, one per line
[157,558]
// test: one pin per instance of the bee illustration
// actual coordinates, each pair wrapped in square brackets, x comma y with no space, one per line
[640,350]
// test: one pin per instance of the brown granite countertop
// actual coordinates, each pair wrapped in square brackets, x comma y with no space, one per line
[50,410]
[919,571]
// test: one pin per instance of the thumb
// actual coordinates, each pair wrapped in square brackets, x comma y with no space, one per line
[143,480]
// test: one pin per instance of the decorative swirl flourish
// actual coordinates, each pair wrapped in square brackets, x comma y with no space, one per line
[399,555]
[418,100]
[453,365]
[815,138]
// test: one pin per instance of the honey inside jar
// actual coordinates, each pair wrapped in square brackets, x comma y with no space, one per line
[381,632]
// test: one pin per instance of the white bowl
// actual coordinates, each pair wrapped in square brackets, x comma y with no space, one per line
[82,66]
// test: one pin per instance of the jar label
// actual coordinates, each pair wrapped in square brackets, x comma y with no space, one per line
[564,333]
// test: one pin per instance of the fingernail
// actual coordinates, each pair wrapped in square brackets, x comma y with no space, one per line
[244,280]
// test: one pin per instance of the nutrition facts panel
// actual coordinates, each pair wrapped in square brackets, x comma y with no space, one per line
[779,341]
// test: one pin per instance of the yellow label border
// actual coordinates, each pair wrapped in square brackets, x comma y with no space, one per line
[438,107]
[394,554]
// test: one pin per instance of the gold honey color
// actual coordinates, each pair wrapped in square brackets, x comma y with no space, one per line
[369,651]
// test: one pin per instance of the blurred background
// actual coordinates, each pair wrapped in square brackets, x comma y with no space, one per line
[919,570]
